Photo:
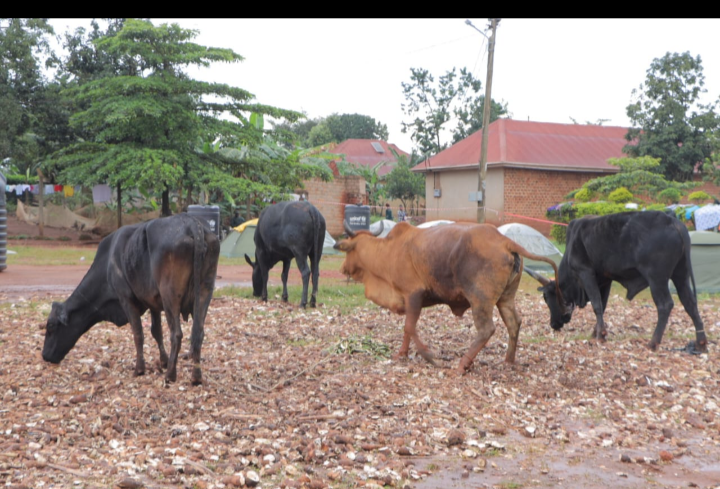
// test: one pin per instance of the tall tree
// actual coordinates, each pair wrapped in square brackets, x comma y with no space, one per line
[336,128]
[24,51]
[143,123]
[431,106]
[668,120]
[402,183]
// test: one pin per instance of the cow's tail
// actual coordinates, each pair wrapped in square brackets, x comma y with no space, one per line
[318,225]
[687,245]
[199,249]
[516,248]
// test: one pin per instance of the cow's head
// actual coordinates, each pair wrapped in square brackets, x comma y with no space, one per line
[256,276]
[352,265]
[560,312]
[60,334]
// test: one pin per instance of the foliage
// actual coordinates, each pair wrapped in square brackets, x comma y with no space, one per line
[669,121]
[334,128]
[670,196]
[699,196]
[24,52]
[640,176]
[620,195]
[583,195]
[430,107]
[363,344]
[142,122]
[402,183]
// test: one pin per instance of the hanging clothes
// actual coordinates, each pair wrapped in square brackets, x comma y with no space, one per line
[68,190]
[101,193]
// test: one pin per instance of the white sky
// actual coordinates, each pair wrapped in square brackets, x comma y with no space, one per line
[546,70]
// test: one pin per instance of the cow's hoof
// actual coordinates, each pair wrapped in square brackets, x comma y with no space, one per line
[694,349]
[428,356]
[139,370]
[399,356]
[170,377]
[196,377]
[652,346]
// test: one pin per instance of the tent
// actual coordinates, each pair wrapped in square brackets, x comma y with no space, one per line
[533,241]
[705,256]
[387,227]
[241,241]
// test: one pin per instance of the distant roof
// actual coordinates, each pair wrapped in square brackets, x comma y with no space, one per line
[536,145]
[369,152]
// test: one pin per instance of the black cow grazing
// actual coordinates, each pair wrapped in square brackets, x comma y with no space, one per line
[285,231]
[637,250]
[166,264]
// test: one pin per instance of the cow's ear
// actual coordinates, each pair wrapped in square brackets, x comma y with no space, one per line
[346,245]
[540,289]
[247,259]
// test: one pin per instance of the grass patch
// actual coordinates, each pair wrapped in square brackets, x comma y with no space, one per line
[43,256]
[363,344]
[346,297]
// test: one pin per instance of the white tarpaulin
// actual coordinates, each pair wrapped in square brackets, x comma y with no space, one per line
[707,217]
[533,241]
[387,226]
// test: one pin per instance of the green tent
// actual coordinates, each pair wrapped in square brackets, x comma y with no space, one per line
[238,244]
[705,256]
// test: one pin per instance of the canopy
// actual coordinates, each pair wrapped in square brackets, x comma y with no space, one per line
[239,243]
[705,257]
[707,217]
[533,241]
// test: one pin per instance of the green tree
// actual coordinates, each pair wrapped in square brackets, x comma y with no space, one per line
[24,51]
[640,175]
[430,107]
[335,128]
[143,123]
[669,121]
[402,183]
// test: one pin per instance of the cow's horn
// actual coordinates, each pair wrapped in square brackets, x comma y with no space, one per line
[544,281]
[348,230]
[382,227]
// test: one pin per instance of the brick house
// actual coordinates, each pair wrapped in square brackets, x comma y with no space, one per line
[369,153]
[530,167]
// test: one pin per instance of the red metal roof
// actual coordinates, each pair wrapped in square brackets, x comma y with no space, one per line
[362,152]
[540,145]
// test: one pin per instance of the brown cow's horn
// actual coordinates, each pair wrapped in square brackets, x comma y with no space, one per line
[348,230]
[382,227]
[544,281]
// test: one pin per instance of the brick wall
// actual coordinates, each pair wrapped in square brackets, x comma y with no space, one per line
[330,198]
[531,192]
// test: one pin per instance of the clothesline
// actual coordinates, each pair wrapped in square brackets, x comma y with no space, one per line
[101,193]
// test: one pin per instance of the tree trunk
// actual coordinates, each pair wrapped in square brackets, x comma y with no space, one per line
[119,206]
[166,203]
[41,195]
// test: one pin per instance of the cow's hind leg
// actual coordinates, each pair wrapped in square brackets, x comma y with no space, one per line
[664,304]
[315,271]
[172,316]
[482,316]
[689,302]
[305,272]
[156,330]
[512,321]
[134,317]
[284,278]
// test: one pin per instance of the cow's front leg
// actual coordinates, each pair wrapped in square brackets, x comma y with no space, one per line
[137,331]
[597,299]
[412,314]
[156,330]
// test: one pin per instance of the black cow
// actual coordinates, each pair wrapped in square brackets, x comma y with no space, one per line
[637,250]
[285,231]
[165,264]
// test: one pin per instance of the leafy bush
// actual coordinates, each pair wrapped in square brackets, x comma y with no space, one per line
[558,233]
[620,195]
[583,195]
[670,196]
[698,197]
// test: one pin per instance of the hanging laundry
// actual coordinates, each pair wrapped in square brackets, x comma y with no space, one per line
[49,189]
[101,193]
[68,190]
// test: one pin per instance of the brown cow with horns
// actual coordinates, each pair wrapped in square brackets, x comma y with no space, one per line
[463,266]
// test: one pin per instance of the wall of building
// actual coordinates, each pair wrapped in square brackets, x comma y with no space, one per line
[456,186]
[330,198]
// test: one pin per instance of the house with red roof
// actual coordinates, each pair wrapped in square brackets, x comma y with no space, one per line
[530,167]
[369,153]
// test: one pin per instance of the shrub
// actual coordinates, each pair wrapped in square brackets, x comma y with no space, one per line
[698,197]
[583,195]
[620,195]
[670,196]
[558,233]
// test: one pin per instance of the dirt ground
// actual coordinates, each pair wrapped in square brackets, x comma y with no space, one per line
[311,398]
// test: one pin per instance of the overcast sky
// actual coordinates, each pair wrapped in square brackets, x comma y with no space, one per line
[546,70]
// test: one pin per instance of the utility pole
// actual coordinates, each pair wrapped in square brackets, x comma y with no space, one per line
[482,170]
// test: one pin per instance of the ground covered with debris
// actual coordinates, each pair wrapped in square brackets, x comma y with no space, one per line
[297,398]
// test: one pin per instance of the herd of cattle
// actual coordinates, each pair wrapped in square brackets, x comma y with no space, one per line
[170,265]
